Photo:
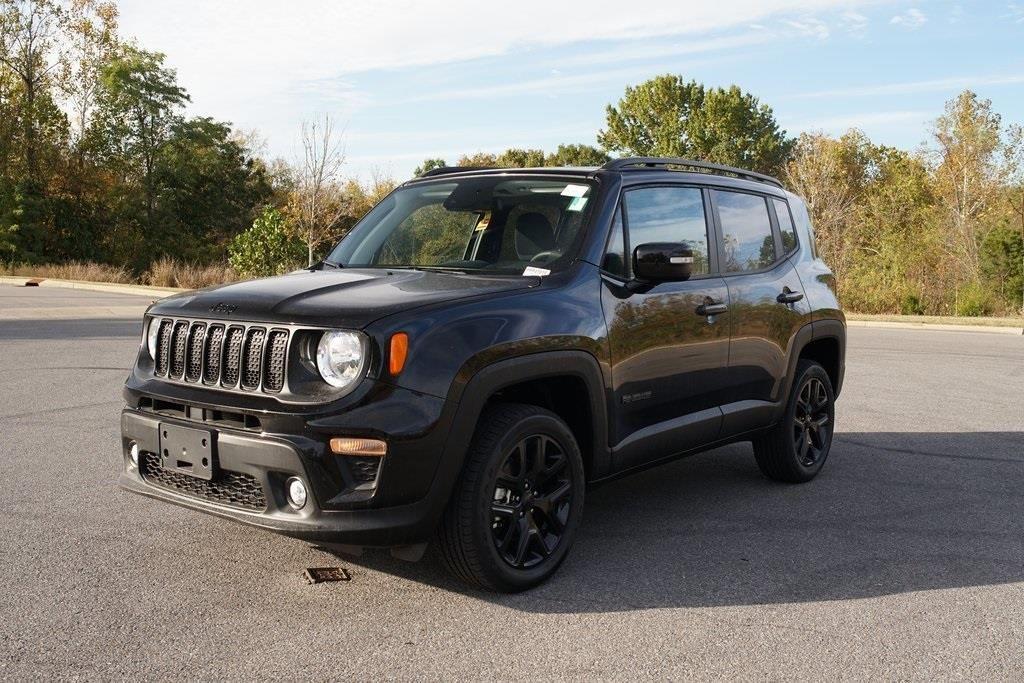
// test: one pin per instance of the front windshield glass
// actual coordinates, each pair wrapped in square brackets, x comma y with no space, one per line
[495,224]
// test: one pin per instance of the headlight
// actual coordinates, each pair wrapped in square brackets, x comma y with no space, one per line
[153,336]
[340,358]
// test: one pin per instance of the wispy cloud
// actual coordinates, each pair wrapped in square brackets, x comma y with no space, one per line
[1016,13]
[809,26]
[912,19]
[936,85]
[854,23]
[631,52]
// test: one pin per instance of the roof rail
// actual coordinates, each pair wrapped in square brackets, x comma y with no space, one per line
[642,163]
[445,170]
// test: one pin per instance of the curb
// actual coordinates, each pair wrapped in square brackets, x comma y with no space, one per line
[111,287]
[938,327]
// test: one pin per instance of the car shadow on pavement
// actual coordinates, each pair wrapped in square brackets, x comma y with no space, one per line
[890,513]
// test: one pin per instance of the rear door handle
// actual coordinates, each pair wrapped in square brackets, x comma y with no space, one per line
[788,296]
[711,307]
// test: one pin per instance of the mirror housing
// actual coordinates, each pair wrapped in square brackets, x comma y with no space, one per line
[662,262]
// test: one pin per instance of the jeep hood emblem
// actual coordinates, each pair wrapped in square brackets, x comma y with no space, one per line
[224,308]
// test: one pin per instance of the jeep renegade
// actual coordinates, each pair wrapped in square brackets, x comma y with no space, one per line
[483,345]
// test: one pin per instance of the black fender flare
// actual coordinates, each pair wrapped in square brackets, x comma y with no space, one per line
[466,403]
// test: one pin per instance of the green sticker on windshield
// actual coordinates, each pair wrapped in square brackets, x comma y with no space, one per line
[577,204]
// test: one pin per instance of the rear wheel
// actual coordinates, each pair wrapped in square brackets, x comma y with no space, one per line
[796,449]
[518,502]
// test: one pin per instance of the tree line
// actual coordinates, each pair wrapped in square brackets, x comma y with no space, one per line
[99,162]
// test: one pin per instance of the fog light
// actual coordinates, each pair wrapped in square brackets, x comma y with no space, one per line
[296,493]
[133,453]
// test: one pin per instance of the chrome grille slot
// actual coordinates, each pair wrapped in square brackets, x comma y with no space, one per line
[178,340]
[253,358]
[213,353]
[232,356]
[277,350]
[194,364]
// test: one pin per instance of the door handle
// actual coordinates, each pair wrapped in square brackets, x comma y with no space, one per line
[788,296]
[711,307]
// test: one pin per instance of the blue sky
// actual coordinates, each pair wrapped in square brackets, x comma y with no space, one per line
[412,80]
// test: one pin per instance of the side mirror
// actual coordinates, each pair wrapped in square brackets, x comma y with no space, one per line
[662,262]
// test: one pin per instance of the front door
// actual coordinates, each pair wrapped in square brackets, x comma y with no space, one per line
[669,342]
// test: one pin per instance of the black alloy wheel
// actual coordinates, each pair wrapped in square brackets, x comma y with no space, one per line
[811,435]
[531,502]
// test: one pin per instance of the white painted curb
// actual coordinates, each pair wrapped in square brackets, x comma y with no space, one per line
[112,287]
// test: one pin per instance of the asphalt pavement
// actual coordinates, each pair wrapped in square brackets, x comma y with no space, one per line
[904,559]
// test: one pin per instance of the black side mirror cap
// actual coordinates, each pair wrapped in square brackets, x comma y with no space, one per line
[662,262]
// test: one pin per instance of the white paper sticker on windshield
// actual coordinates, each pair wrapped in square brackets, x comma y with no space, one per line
[577,204]
[538,272]
[574,190]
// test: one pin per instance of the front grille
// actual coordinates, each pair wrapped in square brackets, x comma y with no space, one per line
[235,489]
[246,357]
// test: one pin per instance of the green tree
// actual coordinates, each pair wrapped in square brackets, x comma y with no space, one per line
[429,165]
[520,158]
[576,155]
[267,248]
[668,116]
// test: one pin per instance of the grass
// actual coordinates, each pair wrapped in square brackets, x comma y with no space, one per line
[166,272]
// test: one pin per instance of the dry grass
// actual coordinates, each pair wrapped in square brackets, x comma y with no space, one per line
[166,272]
[170,273]
[73,270]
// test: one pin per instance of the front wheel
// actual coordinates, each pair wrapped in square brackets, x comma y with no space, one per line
[796,449]
[518,502]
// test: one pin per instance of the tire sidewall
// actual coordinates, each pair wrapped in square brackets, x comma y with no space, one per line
[498,571]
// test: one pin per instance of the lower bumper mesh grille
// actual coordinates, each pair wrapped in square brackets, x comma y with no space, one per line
[235,489]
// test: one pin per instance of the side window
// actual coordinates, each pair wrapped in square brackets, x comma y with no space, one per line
[615,254]
[800,214]
[748,243]
[785,225]
[669,214]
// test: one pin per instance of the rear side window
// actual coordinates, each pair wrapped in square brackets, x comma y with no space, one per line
[785,225]
[669,214]
[615,255]
[748,243]
[800,214]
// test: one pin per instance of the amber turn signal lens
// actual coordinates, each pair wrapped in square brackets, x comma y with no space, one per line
[352,446]
[399,350]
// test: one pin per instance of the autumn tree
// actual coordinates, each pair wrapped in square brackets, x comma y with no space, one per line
[668,116]
[576,155]
[317,204]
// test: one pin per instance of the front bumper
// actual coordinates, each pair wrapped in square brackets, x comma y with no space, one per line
[401,507]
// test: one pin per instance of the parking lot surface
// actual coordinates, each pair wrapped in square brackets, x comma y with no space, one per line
[904,559]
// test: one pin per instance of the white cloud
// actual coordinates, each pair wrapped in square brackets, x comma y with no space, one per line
[935,85]
[1016,13]
[809,26]
[632,52]
[912,19]
[855,23]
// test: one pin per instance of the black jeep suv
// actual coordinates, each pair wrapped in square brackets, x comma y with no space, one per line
[483,345]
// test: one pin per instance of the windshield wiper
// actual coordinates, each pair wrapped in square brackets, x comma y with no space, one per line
[326,264]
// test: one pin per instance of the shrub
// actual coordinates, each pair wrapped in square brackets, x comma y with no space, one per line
[973,300]
[266,248]
[168,272]
[72,270]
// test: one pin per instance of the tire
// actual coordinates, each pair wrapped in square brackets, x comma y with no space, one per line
[497,516]
[795,450]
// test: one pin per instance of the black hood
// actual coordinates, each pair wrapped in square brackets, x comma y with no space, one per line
[351,298]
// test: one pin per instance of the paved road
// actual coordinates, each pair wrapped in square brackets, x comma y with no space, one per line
[904,559]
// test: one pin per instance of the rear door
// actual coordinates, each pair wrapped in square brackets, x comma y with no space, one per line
[668,354]
[767,305]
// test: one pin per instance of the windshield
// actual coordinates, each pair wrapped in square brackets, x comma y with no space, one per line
[497,224]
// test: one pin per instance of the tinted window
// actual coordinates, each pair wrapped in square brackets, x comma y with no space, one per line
[669,214]
[746,231]
[615,254]
[785,225]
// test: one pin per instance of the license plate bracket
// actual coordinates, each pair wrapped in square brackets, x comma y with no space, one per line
[188,451]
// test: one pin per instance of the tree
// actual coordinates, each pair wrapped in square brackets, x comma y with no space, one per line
[267,248]
[520,158]
[969,174]
[316,203]
[139,105]
[429,165]
[667,116]
[576,155]
[92,38]
[479,160]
